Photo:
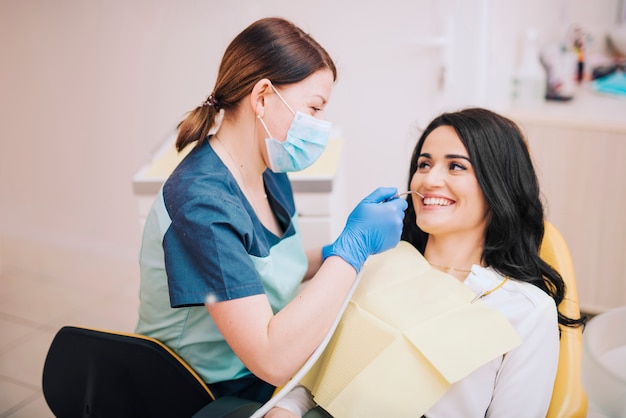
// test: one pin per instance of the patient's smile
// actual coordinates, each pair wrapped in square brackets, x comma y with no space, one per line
[437,201]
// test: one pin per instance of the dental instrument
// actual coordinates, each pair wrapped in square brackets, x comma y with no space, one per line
[399,195]
[409,192]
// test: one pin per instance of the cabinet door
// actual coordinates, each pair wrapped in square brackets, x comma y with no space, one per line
[582,174]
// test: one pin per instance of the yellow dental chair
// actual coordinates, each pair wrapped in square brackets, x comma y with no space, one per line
[568,399]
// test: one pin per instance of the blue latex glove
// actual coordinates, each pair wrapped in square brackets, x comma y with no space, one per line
[375,225]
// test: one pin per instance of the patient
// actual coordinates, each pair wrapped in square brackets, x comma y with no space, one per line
[481,220]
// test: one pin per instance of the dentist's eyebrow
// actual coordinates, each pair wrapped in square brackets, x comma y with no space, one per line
[324,101]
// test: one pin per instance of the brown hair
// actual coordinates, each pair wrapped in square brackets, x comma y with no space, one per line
[271,48]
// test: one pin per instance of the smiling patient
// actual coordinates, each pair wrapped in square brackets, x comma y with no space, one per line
[481,220]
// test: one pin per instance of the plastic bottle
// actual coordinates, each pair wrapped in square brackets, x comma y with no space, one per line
[530,79]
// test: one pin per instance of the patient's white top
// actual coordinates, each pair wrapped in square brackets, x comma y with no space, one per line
[518,384]
[521,381]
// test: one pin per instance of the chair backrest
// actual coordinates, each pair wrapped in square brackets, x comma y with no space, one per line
[98,373]
[568,399]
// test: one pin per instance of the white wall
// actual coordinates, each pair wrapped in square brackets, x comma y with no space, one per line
[90,88]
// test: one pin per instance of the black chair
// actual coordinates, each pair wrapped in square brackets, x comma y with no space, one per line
[95,373]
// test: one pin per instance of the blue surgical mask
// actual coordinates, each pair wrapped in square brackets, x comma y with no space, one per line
[306,140]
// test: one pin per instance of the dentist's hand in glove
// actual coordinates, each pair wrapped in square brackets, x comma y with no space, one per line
[374,226]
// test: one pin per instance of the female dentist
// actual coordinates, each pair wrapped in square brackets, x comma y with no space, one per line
[222,258]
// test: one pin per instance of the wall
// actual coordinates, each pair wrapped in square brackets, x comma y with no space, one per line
[91,88]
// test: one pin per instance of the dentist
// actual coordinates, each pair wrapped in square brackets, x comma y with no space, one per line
[222,257]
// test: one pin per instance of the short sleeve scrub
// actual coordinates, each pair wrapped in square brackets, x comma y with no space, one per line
[202,241]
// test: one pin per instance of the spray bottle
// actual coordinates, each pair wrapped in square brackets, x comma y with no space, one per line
[530,80]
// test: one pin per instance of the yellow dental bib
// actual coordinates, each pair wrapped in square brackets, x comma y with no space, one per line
[408,333]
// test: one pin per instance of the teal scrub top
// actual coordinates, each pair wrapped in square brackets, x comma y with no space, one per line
[203,241]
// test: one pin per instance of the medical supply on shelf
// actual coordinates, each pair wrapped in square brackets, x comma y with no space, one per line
[530,80]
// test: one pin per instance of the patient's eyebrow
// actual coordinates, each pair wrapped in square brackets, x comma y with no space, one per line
[453,156]
[448,156]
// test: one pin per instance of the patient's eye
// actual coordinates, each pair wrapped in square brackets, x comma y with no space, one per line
[423,164]
[454,165]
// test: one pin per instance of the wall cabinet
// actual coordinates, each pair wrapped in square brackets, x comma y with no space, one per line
[579,149]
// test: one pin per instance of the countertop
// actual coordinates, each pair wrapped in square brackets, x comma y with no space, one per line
[318,178]
[588,110]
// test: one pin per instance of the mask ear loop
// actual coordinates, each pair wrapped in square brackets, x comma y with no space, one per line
[264,125]
[282,100]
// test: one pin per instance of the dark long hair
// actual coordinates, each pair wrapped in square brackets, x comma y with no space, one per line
[271,48]
[505,173]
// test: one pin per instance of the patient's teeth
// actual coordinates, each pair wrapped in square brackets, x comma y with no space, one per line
[436,201]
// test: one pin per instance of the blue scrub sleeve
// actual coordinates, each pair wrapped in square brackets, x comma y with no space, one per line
[207,253]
